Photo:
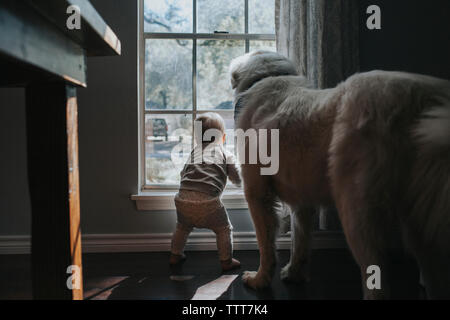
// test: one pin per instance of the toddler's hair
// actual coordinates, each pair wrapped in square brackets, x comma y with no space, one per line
[210,120]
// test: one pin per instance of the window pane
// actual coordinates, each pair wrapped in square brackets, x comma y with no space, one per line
[219,15]
[168,16]
[168,74]
[266,45]
[261,16]
[168,141]
[213,78]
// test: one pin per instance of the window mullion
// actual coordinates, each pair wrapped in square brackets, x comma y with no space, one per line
[194,68]
[227,36]
[247,41]
[194,11]
[194,86]
[194,75]
[246,16]
[168,111]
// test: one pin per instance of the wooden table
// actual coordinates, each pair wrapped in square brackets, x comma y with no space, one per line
[40,53]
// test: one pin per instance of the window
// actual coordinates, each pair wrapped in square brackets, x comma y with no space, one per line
[186,49]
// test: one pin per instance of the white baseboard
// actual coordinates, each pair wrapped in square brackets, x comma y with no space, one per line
[14,244]
[198,241]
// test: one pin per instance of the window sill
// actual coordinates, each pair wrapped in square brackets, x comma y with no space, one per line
[160,200]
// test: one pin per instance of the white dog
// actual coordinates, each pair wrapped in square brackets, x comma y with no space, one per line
[377,147]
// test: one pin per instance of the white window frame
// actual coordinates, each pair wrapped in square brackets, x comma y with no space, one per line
[160,196]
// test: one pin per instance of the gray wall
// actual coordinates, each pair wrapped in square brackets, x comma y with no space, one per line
[414,37]
[14,198]
[108,144]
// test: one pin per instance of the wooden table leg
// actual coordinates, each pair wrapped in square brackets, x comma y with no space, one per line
[52,142]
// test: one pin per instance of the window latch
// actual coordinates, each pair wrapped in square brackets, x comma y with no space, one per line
[223,32]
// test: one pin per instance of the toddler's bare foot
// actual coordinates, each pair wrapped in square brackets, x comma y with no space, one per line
[230,264]
[176,259]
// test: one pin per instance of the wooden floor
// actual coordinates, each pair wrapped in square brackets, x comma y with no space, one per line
[334,275]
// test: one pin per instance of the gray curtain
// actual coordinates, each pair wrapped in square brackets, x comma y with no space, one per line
[321,38]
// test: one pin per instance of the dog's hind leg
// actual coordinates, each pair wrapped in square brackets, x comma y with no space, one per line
[367,240]
[434,267]
[367,227]
[361,178]
[373,267]
[435,270]
[261,201]
[297,268]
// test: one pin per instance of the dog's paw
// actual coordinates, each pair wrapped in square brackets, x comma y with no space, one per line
[291,274]
[256,280]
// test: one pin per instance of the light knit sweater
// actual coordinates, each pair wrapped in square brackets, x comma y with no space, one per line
[208,168]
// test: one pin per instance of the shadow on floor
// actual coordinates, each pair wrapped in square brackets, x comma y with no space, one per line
[334,275]
[124,276]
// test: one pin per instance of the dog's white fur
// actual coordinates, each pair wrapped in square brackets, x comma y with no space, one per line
[377,147]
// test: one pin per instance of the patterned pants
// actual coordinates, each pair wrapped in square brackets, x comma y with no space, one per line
[198,210]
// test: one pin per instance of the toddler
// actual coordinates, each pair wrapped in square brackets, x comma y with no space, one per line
[203,179]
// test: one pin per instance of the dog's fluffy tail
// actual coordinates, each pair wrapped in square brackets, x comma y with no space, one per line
[430,182]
